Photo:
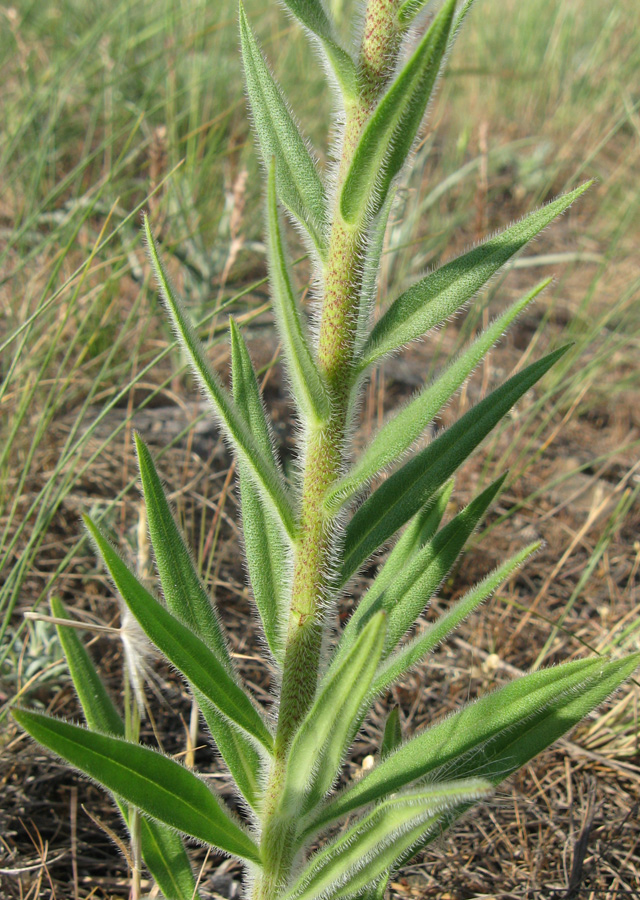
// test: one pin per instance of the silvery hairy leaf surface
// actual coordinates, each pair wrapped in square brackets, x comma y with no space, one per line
[300,828]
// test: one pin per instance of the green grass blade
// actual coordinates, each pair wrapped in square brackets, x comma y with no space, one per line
[408,489]
[298,182]
[400,432]
[506,716]
[316,20]
[183,590]
[320,743]
[390,132]
[184,649]
[308,387]
[265,548]
[398,664]
[261,468]
[432,300]
[406,596]
[153,783]
[162,849]
[362,855]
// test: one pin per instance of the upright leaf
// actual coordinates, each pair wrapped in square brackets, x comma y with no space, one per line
[390,132]
[432,300]
[162,849]
[371,271]
[151,782]
[319,745]
[407,490]
[392,735]
[551,700]
[406,426]
[265,548]
[182,588]
[262,469]
[309,389]
[360,856]
[298,183]
[313,15]
[184,649]
[411,654]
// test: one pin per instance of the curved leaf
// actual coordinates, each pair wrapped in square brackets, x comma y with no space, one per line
[153,783]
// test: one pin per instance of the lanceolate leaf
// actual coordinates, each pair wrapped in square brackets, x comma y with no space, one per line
[151,782]
[551,700]
[408,489]
[399,663]
[309,389]
[389,135]
[319,745]
[437,296]
[371,271]
[162,849]
[298,183]
[183,591]
[314,17]
[365,851]
[181,647]
[261,468]
[391,442]
[265,547]
[405,599]
[392,736]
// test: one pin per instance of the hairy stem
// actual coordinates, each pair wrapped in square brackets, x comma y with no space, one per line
[324,457]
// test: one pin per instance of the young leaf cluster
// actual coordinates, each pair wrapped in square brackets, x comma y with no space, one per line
[306,537]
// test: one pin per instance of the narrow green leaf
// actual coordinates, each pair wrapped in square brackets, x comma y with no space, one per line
[362,855]
[162,849]
[413,653]
[407,490]
[371,272]
[183,590]
[411,8]
[185,650]
[392,736]
[437,296]
[298,183]
[320,743]
[265,548]
[308,387]
[97,705]
[501,717]
[390,132]
[406,597]
[406,426]
[313,15]
[153,783]
[262,470]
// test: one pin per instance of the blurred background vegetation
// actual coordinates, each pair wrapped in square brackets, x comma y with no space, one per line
[111,108]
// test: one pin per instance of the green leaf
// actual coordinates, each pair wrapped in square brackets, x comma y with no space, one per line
[185,650]
[406,597]
[390,132]
[308,387]
[162,849]
[153,783]
[407,490]
[359,857]
[321,741]
[553,700]
[262,469]
[183,590]
[298,183]
[400,432]
[316,20]
[392,736]
[437,296]
[265,548]
[371,271]
[398,664]
[97,705]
